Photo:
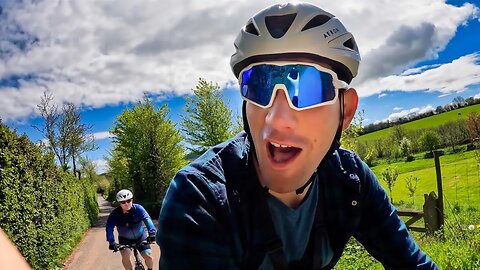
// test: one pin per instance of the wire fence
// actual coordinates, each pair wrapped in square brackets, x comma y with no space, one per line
[461,183]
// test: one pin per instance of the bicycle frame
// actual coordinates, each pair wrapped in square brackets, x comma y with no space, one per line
[138,261]
[136,254]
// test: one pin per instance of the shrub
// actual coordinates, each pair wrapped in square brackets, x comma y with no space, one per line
[43,210]
[103,185]
[470,147]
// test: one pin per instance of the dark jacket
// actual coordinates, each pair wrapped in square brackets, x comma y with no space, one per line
[207,218]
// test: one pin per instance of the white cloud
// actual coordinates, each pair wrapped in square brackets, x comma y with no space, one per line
[382,95]
[397,108]
[418,70]
[411,112]
[101,166]
[477,96]
[101,135]
[95,53]
[447,78]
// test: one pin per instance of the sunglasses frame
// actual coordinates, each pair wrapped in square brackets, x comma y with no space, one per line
[126,201]
[337,84]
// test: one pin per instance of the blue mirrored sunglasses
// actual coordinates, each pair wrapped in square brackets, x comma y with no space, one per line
[306,85]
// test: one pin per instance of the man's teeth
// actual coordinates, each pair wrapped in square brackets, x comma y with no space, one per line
[279,145]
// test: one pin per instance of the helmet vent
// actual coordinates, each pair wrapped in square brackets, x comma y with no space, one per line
[278,25]
[250,28]
[350,43]
[317,21]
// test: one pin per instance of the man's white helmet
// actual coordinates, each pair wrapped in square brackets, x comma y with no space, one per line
[124,195]
[296,31]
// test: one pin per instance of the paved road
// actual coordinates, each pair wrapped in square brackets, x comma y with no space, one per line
[92,252]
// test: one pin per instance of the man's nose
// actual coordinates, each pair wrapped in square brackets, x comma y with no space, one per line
[280,115]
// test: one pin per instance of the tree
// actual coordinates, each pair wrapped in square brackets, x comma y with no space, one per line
[75,134]
[415,145]
[458,102]
[429,140]
[398,133]
[118,171]
[380,148]
[439,109]
[473,126]
[390,175]
[411,182]
[88,170]
[208,120]
[66,134]
[238,126]
[405,146]
[453,133]
[50,115]
[349,136]
[449,107]
[149,146]
[470,101]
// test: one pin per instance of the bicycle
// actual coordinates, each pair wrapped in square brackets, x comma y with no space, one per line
[138,261]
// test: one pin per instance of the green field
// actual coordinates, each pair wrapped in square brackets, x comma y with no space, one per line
[460,176]
[457,247]
[428,122]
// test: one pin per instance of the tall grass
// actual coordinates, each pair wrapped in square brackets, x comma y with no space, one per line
[455,247]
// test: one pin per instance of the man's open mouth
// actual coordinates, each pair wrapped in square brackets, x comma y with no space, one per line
[282,153]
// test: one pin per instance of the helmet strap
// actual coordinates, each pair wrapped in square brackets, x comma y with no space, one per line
[336,141]
[245,121]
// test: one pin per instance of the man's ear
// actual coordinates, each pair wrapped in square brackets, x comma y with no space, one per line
[350,103]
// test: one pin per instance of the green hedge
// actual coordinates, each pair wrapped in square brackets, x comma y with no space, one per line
[43,210]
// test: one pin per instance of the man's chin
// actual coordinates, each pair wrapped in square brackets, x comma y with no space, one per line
[285,186]
[281,190]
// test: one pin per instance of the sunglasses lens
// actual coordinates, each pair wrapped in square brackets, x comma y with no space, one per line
[127,201]
[306,85]
[255,87]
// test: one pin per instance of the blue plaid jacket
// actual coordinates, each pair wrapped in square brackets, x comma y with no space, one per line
[203,225]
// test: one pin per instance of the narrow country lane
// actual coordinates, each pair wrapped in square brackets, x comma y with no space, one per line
[92,252]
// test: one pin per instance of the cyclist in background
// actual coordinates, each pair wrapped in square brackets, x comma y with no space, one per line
[128,219]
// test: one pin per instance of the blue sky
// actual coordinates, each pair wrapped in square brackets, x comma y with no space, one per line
[104,55]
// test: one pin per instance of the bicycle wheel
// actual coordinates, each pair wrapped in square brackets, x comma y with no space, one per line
[138,261]
[139,266]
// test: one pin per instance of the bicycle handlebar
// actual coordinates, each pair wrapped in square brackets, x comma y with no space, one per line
[133,246]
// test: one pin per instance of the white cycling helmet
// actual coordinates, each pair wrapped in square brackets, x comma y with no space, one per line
[296,31]
[124,195]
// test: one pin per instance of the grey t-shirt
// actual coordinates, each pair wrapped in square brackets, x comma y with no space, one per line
[293,226]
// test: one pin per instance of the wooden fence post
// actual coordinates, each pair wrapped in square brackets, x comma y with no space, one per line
[431,215]
[441,218]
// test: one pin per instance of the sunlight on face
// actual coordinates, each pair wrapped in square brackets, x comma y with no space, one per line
[303,138]
[126,205]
